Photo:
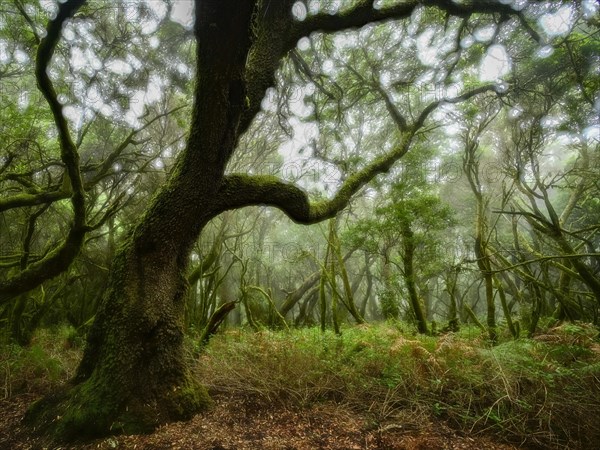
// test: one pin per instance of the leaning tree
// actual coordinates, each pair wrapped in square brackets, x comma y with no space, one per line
[134,373]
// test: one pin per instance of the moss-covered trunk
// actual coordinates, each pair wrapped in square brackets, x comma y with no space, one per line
[408,256]
[134,374]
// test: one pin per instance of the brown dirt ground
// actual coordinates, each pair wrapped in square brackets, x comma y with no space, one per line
[238,425]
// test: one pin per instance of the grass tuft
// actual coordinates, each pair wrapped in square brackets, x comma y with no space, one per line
[542,392]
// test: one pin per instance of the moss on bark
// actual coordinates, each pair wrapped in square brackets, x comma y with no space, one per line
[134,375]
[92,409]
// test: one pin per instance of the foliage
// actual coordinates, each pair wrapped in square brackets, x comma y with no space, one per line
[48,362]
[533,391]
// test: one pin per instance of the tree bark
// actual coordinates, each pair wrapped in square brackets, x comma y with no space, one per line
[134,374]
[408,274]
[471,160]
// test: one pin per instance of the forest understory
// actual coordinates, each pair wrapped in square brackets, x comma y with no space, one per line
[373,387]
[237,424]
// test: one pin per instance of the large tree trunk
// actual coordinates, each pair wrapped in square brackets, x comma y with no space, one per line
[134,374]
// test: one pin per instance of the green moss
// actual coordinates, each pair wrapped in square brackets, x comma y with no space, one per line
[189,399]
[87,410]
[91,409]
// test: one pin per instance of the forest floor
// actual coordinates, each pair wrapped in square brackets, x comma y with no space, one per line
[236,425]
[374,387]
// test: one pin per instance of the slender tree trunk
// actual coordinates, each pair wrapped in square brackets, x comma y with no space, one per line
[506,309]
[451,282]
[408,257]
[215,321]
[484,265]
[335,318]
[367,297]
[471,161]
[323,300]
[337,258]
[473,317]
[292,298]
[389,300]
[305,312]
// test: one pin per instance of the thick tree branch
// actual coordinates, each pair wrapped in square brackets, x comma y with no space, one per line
[365,13]
[52,265]
[68,150]
[60,258]
[224,35]
[239,190]
[26,199]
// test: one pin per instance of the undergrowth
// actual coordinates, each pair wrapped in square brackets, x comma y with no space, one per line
[50,360]
[541,392]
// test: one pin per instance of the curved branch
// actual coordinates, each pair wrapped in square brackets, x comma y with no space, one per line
[51,266]
[365,13]
[239,190]
[68,150]
[60,258]
[362,14]
[461,98]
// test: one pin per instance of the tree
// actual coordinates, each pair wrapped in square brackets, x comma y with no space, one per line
[471,167]
[409,223]
[549,119]
[134,374]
